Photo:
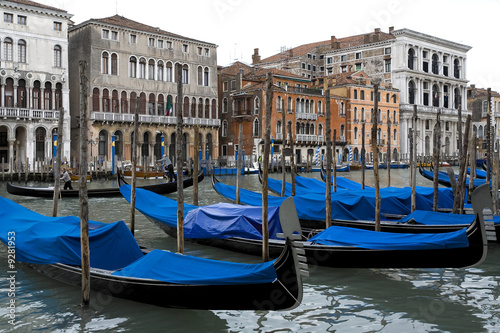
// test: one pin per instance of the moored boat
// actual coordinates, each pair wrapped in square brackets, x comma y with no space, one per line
[120,268]
[333,247]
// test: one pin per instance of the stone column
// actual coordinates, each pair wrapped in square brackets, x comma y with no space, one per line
[11,152]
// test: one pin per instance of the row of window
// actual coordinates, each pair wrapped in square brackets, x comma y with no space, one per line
[434,96]
[438,66]
[42,97]
[154,69]
[22,20]
[20,55]
[388,97]
[155,105]
[154,42]
[365,116]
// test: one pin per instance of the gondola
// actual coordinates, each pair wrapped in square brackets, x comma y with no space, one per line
[334,247]
[120,268]
[444,179]
[48,192]
[311,212]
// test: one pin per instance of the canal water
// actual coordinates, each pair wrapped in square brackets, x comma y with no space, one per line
[335,300]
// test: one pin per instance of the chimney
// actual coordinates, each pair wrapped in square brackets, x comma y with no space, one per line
[366,39]
[391,29]
[255,56]
[377,30]
[335,43]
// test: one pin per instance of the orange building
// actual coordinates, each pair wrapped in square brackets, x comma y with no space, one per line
[354,94]
[242,95]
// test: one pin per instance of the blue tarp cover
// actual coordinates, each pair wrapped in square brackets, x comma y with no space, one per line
[348,204]
[184,269]
[222,220]
[437,218]
[41,239]
[368,239]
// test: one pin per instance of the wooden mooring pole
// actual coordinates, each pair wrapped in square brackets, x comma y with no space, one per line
[265,185]
[179,162]
[84,201]
[328,135]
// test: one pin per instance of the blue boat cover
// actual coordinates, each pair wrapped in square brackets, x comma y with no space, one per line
[348,205]
[368,239]
[437,218]
[306,185]
[41,239]
[222,220]
[184,269]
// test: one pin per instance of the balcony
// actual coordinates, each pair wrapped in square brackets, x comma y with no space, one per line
[307,116]
[279,136]
[29,114]
[306,137]
[151,119]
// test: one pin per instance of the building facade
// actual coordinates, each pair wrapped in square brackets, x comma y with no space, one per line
[33,82]
[132,68]
[429,72]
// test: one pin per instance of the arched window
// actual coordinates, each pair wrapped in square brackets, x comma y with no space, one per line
[411,92]
[21,51]
[161,105]
[480,132]
[435,64]
[362,114]
[105,63]
[255,130]
[40,143]
[279,101]
[47,96]
[115,103]
[342,109]
[206,77]
[160,71]
[214,109]
[124,102]
[185,74]
[224,105]
[200,75]
[151,69]
[289,107]
[355,114]
[57,56]
[21,94]
[456,93]
[145,144]
[278,127]
[133,102]
[207,108]
[7,46]
[256,106]
[342,132]
[36,95]
[297,105]
[362,95]
[320,107]
[133,67]
[395,135]
[103,144]
[456,68]
[435,95]
[169,72]
[142,68]
[355,133]
[151,104]
[411,59]
[105,100]
[114,64]
[224,128]
[200,108]
[185,107]
[9,92]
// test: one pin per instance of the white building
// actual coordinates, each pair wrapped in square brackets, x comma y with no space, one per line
[430,73]
[33,81]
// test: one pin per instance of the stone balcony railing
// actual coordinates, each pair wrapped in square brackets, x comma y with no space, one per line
[307,116]
[28,114]
[143,118]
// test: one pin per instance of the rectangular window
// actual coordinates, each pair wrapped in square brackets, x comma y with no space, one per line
[233,85]
[303,66]
[114,35]
[169,44]
[329,60]
[343,69]
[105,33]
[387,50]
[133,39]
[151,42]
[445,70]
[185,48]
[358,55]
[200,51]
[21,20]
[358,66]
[207,52]
[387,66]
[343,57]
[424,54]
[160,43]
[58,26]
[425,67]
[8,17]
[224,86]
[224,150]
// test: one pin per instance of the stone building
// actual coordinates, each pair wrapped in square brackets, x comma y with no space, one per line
[33,82]
[132,66]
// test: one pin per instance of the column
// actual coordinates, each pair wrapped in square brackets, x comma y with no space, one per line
[15,96]
[11,153]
